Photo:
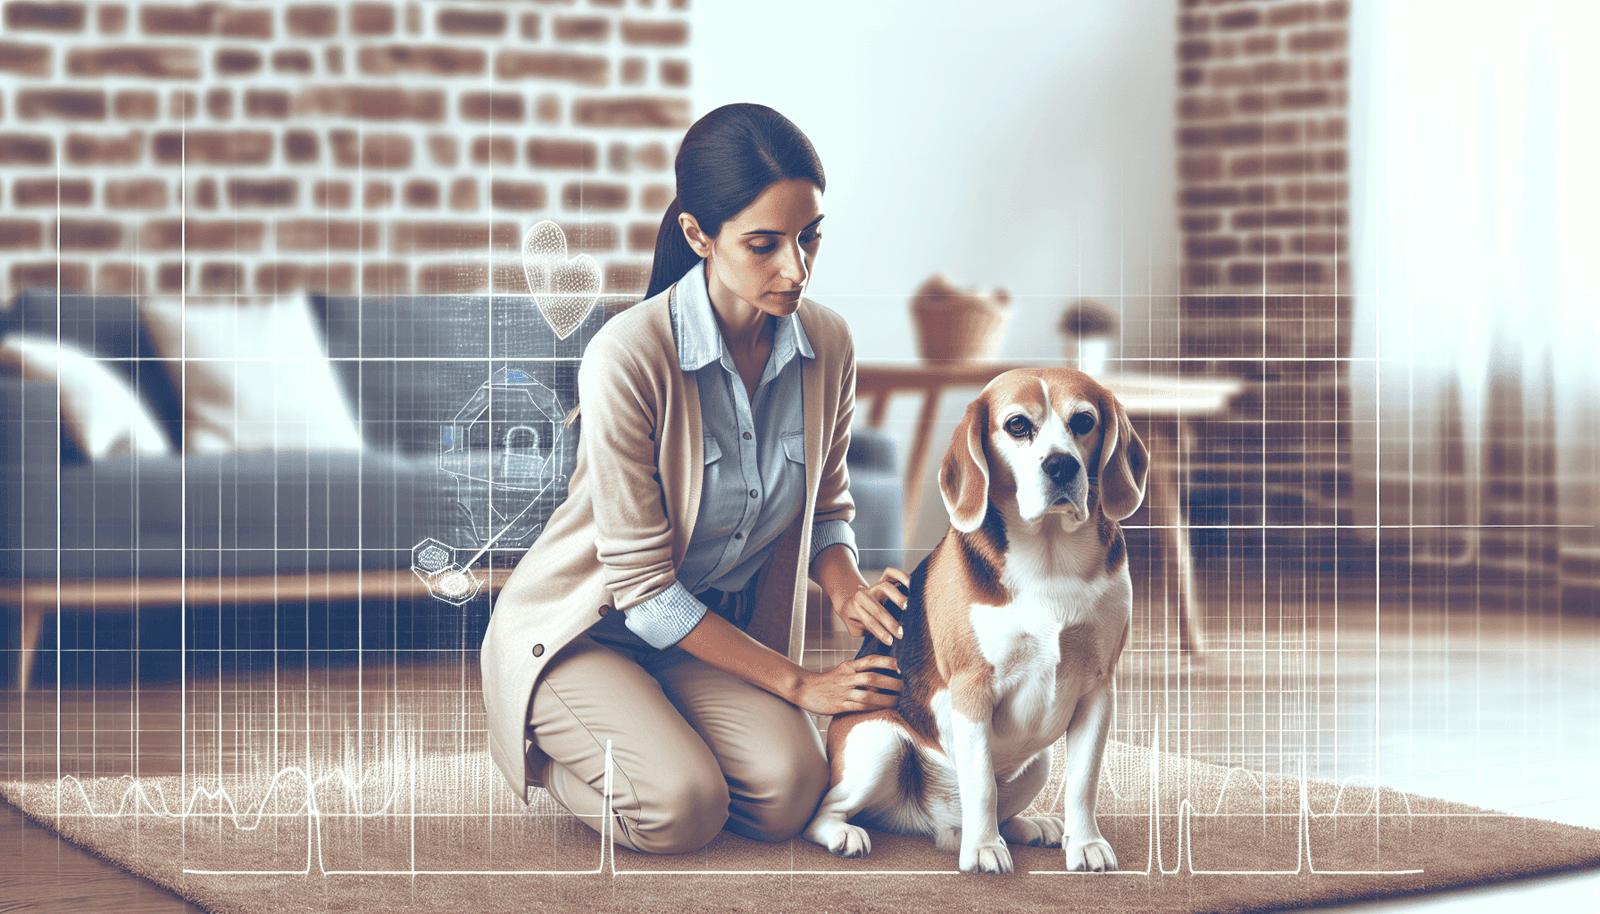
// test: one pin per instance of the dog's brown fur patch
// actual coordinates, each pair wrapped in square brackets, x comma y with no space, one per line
[919,670]
[955,644]
[983,552]
[1112,540]
[1079,652]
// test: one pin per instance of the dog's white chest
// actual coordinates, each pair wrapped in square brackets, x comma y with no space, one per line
[1048,648]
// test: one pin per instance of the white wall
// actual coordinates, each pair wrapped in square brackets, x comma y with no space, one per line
[1474,193]
[1027,144]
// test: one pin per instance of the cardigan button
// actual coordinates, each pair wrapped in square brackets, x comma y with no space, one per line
[538,650]
[604,610]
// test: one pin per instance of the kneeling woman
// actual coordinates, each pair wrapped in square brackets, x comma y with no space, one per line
[663,606]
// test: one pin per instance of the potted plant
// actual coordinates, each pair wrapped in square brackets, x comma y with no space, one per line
[1088,328]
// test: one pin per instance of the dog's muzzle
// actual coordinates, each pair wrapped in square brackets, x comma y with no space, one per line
[1068,484]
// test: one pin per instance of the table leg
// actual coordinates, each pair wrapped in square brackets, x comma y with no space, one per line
[1164,500]
[879,404]
[915,463]
[1190,638]
[32,625]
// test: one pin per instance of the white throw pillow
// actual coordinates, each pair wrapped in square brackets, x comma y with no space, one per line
[100,412]
[254,375]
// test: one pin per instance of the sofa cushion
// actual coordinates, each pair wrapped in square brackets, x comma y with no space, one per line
[109,327]
[99,411]
[254,374]
[240,513]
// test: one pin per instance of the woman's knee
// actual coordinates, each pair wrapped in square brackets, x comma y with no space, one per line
[684,807]
[782,801]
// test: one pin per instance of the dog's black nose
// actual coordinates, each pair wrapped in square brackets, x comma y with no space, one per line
[1061,467]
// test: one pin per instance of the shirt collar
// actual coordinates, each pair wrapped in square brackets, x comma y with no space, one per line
[700,339]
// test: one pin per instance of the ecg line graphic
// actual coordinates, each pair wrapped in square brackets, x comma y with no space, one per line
[394,779]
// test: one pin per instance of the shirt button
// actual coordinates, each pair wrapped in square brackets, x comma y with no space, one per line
[738,536]
[747,436]
[754,494]
[538,650]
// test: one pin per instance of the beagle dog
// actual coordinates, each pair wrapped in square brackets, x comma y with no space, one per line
[1012,630]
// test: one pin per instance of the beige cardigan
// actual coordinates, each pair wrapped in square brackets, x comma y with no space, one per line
[621,534]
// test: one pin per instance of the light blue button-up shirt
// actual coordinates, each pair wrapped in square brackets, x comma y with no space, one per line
[755,474]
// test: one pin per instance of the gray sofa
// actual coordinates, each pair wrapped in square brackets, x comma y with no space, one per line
[451,392]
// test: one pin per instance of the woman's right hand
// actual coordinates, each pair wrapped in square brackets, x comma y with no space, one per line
[847,686]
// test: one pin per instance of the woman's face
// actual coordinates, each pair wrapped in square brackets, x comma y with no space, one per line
[763,255]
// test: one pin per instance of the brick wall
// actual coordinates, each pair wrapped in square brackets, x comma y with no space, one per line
[1263,198]
[370,147]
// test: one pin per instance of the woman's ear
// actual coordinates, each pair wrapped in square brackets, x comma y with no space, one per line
[698,242]
[1124,465]
[964,475]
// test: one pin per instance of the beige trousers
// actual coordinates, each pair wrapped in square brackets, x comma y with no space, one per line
[694,749]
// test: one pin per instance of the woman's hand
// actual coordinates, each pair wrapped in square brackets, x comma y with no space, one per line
[862,609]
[847,687]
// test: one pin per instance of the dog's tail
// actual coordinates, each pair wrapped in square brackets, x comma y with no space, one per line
[907,810]
[913,777]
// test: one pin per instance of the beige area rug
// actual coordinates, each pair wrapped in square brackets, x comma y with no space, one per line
[442,833]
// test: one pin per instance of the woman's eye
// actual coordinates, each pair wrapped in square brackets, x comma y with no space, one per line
[1082,424]
[1017,426]
[812,238]
[762,248]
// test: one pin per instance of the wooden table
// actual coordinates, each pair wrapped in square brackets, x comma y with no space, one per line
[1160,405]
[38,598]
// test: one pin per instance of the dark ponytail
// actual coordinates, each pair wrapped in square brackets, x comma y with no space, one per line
[674,257]
[728,157]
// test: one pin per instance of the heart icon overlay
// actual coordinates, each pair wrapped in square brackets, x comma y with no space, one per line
[564,289]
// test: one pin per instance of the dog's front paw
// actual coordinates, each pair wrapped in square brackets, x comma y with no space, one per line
[852,841]
[987,857]
[840,838]
[1094,854]
[1033,831]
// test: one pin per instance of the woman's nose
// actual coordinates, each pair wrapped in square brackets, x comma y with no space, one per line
[793,266]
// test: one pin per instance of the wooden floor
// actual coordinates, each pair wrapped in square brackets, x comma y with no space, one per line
[1469,702]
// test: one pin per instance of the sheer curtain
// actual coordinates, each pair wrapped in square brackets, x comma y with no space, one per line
[1475,371]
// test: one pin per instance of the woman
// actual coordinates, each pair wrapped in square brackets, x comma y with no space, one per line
[710,480]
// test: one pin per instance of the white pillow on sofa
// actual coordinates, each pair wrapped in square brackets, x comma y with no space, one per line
[254,375]
[99,410]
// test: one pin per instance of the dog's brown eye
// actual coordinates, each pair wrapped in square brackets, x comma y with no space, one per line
[1018,426]
[1082,424]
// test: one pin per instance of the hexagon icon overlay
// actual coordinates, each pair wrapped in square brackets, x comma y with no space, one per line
[503,450]
[446,579]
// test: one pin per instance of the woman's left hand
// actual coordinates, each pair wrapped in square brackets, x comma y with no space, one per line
[862,610]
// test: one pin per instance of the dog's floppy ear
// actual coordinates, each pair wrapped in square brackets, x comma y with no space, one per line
[1124,464]
[964,475]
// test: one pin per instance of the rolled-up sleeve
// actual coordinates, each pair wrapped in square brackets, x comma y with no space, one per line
[665,618]
[831,532]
